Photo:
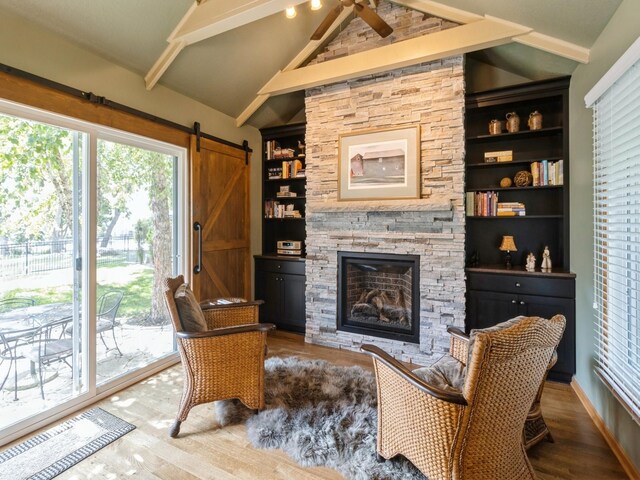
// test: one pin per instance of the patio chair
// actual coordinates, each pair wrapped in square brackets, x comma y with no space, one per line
[107,311]
[108,305]
[50,346]
[9,304]
[222,357]
[12,344]
[454,424]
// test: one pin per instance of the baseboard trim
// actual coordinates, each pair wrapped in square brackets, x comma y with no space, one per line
[617,450]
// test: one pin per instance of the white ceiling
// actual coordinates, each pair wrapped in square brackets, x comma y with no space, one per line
[227,70]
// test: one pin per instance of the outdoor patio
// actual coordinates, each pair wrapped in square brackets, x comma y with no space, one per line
[140,345]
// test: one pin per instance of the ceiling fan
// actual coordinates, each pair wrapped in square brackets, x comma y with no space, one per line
[360,9]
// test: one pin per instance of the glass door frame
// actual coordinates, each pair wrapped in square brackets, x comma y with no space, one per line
[89,259]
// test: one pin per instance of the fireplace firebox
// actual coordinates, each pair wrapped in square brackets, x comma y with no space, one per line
[378,295]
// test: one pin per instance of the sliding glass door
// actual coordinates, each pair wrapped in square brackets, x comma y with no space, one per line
[136,248]
[91,222]
[42,356]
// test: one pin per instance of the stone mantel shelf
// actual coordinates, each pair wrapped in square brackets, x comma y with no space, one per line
[433,204]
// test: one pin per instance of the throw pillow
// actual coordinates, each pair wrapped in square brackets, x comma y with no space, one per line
[190,313]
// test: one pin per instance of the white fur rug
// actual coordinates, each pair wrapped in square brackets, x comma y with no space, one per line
[321,415]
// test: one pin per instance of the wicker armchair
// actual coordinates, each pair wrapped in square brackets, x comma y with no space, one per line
[226,361]
[476,432]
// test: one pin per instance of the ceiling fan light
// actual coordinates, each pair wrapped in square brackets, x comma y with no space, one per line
[316,4]
[290,12]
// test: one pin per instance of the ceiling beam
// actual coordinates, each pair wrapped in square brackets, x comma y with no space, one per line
[534,39]
[213,18]
[555,46]
[298,60]
[210,18]
[427,48]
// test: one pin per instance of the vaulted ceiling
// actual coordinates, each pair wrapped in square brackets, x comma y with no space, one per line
[227,70]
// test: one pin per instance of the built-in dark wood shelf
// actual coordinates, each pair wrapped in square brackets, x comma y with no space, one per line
[520,270]
[510,189]
[514,135]
[517,217]
[292,179]
[512,162]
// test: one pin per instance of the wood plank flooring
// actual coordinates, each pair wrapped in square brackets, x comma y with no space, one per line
[203,451]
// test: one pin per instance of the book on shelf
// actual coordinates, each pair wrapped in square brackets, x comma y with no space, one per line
[547,173]
[275,209]
[481,204]
[498,156]
[286,194]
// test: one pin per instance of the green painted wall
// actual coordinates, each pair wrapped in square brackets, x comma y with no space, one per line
[620,33]
[28,47]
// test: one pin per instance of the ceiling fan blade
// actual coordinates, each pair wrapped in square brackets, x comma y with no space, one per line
[331,17]
[373,19]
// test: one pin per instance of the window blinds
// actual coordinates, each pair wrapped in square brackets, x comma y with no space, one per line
[617,237]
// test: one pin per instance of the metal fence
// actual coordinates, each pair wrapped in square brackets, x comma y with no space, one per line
[42,256]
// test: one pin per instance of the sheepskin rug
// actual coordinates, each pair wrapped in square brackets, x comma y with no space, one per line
[321,415]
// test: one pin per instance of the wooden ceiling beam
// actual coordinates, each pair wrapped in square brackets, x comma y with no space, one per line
[474,36]
[533,39]
[207,19]
[298,60]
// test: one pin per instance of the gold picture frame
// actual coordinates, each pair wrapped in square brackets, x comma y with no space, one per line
[379,164]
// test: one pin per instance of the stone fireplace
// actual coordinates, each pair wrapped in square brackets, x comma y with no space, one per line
[378,295]
[429,228]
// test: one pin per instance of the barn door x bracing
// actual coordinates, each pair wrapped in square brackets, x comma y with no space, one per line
[220,221]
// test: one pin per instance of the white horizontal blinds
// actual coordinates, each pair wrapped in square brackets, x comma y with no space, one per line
[617,236]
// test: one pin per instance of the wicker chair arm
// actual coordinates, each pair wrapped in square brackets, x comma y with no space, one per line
[218,332]
[209,304]
[413,379]
[459,334]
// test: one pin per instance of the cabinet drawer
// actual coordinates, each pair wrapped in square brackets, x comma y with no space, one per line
[523,284]
[294,267]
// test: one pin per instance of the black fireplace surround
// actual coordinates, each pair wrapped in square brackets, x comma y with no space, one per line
[379,295]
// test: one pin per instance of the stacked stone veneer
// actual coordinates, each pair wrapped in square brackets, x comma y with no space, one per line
[431,95]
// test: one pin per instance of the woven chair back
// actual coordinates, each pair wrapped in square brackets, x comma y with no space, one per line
[505,371]
[170,287]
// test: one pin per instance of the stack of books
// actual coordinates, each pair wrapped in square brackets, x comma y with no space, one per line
[511,209]
[285,192]
[274,173]
[498,156]
[547,173]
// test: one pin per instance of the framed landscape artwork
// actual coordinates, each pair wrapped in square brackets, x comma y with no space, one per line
[379,164]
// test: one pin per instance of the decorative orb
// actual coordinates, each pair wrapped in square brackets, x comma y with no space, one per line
[523,178]
[505,182]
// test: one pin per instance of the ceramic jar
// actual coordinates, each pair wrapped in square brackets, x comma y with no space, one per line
[535,121]
[495,127]
[513,122]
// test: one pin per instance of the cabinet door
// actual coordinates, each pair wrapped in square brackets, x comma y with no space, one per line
[269,288]
[488,308]
[547,307]
[294,302]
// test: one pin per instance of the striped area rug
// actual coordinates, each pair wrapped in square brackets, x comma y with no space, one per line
[50,453]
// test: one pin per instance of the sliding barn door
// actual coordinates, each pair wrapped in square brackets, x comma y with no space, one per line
[220,221]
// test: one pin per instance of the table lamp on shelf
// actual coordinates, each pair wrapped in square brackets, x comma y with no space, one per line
[508,245]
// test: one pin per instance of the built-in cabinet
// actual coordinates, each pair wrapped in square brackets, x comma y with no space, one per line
[280,270]
[536,215]
[281,284]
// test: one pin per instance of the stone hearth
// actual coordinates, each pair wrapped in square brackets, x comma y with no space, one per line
[431,227]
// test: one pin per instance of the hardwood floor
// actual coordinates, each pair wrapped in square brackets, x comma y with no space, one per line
[204,451]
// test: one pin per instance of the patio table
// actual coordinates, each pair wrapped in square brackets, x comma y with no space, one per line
[19,327]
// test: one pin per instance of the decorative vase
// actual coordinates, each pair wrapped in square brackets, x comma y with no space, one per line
[535,120]
[513,122]
[495,127]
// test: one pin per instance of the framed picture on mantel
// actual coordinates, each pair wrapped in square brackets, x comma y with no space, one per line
[379,164]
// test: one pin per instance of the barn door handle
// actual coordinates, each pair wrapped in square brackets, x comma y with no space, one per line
[198,267]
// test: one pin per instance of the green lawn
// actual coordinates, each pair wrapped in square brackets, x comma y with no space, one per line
[136,303]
